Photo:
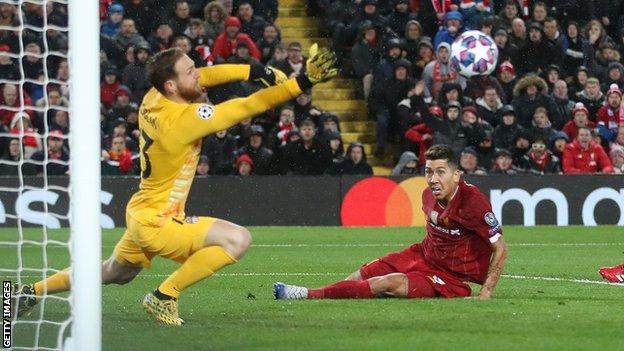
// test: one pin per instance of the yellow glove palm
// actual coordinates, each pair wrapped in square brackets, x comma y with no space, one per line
[321,66]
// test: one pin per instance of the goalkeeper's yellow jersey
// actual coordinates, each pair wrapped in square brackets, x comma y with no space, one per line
[171,135]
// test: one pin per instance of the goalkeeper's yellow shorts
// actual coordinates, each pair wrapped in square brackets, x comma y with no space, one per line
[176,240]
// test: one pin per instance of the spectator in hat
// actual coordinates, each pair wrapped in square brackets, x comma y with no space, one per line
[203,166]
[58,156]
[507,51]
[504,163]
[468,162]
[506,131]
[31,140]
[242,56]
[536,54]
[563,103]
[578,82]
[263,158]
[616,154]
[591,97]
[614,75]
[489,106]
[577,51]
[328,122]
[400,15]
[225,44]
[453,92]
[118,159]
[413,36]
[307,156]
[134,76]
[440,71]
[407,165]
[558,144]
[521,145]
[551,75]
[474,127]
[354,162]
[507,80]
[244,165]
[384,71]
[583,155]
[128,34]
[365,56]
[529,94]
[486,152]
[334,141]
[425,54]
[269,42]
[214,19]
[251,24]
[294,64]
[220,149]
[452,27]
[610,116]
[539,160]
[111,27]
[473,11]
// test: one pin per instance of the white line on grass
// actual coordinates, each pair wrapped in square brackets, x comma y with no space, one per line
[309,274]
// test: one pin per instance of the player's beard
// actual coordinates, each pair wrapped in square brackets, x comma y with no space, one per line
[192,94]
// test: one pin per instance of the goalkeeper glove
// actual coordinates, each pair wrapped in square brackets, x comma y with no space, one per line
[321,66]
[266,75]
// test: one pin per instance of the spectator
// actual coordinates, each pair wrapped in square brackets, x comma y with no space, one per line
[278,137]
[267,9]
[384,71]
[419,137]
[241,132]
[552,34]
[578,82]
[541,126]
[509,13]
[529,94]
[8,67]
[452,28]
[440,71]
[111,27]
[32,65]
[334,141]
[31,141]
[400,15]
[329,123]
[536,54]
[118,128]
[294,64]
[539,12]
[134,76]
[614,75]
[214,19]
[250,24]
[242,56]
[474,129]
[610,116]
[426,54]
[128,34]
[473,11]
[521,145]
[13,153]
[507,51]
[118,160]
[337,23]
[619,140]
[161,38]
[591,97]
[617,159]
[551,75]
[558,144]
[57,156]
[365,57]
[584,155]
[563,103]
[304,108]
[518,35]
[577,51]
[279,54]
[539,160]
[263,158]
[203,166]
[354,162]
[142,14]
[307,156]
[183,43]
[605,56]
[507,80]
[407,165]
[220,149]
[504,163]
[468,162]
[413,36]
[226,42]
[268,43]
[486,152]
[181,18]
[197,33]
[506,132]
[452,92]
[448,131]
[59,120]
[245,166]
[489,106]
[596,34]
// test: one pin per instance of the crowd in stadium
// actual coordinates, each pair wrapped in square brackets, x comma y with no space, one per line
[553,105]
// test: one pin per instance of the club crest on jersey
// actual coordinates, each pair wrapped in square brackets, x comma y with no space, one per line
[490,219]
[205,111]
[434,217]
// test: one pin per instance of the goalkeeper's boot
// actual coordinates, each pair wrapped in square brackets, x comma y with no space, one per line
[283,291]
[24,299]
[165,311]
[613,274]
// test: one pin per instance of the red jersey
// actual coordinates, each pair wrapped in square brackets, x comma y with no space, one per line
[459,235]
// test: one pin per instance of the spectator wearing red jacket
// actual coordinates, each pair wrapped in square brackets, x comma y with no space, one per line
[611,116]
[226,43]
[580,116]
[10,101]
[422,135]
[585,156]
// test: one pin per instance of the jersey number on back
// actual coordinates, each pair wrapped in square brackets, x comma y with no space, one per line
[147,171]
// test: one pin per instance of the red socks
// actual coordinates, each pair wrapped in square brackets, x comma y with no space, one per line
[346,289]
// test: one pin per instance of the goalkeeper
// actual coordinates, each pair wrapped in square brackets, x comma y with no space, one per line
[172,123]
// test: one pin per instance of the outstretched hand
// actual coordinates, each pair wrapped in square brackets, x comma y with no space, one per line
[321,66]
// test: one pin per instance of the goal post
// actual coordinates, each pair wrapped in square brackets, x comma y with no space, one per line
[85,181]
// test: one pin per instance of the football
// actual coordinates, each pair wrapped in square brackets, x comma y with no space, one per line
[474,53]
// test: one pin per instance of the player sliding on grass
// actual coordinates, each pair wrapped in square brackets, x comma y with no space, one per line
[464,243]
[613,274]
[172,124]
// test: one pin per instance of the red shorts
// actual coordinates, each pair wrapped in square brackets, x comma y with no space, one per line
[424,281]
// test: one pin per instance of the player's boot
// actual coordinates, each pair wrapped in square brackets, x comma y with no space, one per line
[165,311]
[283,291]
[24,299]
[613,274]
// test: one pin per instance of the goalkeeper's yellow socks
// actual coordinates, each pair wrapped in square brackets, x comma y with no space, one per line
[200,265]
[56,283]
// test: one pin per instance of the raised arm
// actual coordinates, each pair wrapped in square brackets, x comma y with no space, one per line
[497,263]
[228,73]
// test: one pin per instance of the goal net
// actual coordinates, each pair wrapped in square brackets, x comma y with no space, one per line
[49,169]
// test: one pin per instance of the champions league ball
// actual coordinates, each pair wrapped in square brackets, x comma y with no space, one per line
[474,53]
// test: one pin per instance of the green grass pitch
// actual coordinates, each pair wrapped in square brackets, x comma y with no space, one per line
[235,310]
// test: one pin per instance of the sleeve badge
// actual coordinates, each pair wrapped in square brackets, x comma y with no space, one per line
[205,111]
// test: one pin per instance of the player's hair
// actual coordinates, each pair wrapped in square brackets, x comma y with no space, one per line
[442,152]
[161,68]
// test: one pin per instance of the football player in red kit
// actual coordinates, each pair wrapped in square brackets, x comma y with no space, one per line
[463,244]
[613,274]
